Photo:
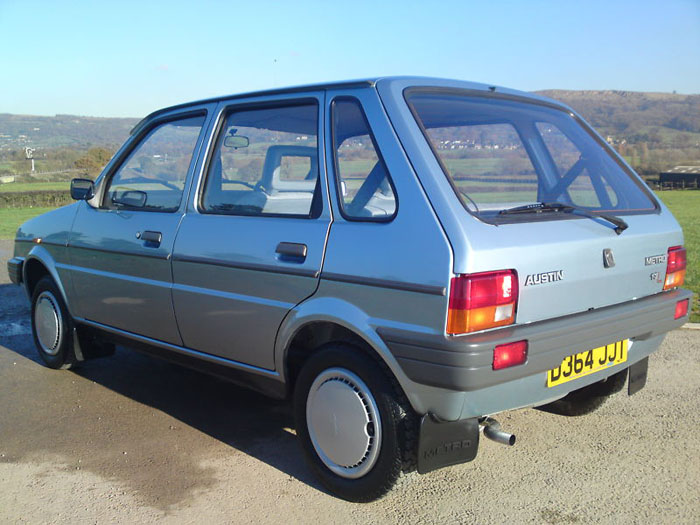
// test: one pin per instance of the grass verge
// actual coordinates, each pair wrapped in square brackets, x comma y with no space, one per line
[13,187]
[11,218]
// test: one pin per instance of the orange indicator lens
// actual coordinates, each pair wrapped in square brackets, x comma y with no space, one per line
[675,267]
[482,300]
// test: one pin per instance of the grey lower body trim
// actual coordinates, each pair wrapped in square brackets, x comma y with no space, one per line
[464,363]
[263,380]
[14,269]
[533,391]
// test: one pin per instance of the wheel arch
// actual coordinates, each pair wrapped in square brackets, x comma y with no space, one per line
[37,264]
[324,320]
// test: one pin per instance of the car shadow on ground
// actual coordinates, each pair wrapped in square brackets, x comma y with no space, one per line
[242,419]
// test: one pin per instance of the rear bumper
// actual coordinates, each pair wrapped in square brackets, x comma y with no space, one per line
[464,363]
[14,269]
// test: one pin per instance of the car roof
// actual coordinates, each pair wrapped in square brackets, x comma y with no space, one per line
[349,84]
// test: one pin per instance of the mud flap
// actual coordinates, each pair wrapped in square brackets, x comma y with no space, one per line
[638,376]
[445,443]
[86,346]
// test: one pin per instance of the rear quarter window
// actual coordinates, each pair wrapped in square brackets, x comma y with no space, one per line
[366,191]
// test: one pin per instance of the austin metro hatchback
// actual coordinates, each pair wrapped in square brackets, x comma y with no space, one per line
[403,258]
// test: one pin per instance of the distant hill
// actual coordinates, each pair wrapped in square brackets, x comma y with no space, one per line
[660,119]
[663,118]
[18,131]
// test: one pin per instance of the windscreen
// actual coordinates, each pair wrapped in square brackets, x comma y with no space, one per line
[500,154]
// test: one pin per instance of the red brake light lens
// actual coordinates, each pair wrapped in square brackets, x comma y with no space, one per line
[681,309]
[509,354]
[482,300]
[675,267]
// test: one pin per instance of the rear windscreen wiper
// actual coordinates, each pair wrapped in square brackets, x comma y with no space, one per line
[560,207]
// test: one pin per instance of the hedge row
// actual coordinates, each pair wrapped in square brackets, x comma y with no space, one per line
[37,199]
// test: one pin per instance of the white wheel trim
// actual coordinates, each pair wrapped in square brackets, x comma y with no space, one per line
[343,422]
[48,323]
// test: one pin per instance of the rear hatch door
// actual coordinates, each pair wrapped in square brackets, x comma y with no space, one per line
[578,264]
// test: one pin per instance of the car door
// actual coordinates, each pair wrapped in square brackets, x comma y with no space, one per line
[252,242]
[122,240]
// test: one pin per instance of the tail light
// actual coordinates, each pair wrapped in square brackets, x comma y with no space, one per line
[482,300]
[681,308]
[675,267]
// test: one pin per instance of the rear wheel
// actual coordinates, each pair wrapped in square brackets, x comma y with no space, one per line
[52,326]
[354,424]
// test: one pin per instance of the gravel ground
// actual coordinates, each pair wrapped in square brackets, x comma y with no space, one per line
[131,439]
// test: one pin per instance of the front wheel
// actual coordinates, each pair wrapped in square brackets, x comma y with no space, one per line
[52,326]
[354,423]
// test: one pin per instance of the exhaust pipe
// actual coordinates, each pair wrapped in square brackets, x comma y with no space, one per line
[492,430]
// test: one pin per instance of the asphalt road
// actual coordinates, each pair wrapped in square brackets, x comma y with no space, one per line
[131,439]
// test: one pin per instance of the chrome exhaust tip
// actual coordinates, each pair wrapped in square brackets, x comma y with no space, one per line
[492,430]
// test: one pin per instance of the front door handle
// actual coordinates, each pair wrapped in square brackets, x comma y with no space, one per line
[292,250]
[152,237]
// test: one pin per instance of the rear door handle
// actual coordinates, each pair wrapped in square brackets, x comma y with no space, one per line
[150,236]
[292,250]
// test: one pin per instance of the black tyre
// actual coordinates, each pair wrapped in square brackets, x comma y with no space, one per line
[587,399]
[52,326]
[354,424]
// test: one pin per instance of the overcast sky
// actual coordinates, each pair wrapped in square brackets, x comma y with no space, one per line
[108,58]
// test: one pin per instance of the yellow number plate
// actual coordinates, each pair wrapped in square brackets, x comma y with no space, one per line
[589,362]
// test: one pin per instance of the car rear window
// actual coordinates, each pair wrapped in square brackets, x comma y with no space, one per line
[501,153]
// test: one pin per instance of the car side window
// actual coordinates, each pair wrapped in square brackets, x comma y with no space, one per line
[152,178]
[364,184]
[265,163]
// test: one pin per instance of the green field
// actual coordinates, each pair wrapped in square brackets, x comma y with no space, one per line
[33,186]
[11,218]
[685,205]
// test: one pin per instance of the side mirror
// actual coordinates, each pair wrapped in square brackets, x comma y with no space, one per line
[236,141]
[131,198]
[82,189]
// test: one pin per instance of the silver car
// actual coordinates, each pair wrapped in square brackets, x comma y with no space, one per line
[402,257]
